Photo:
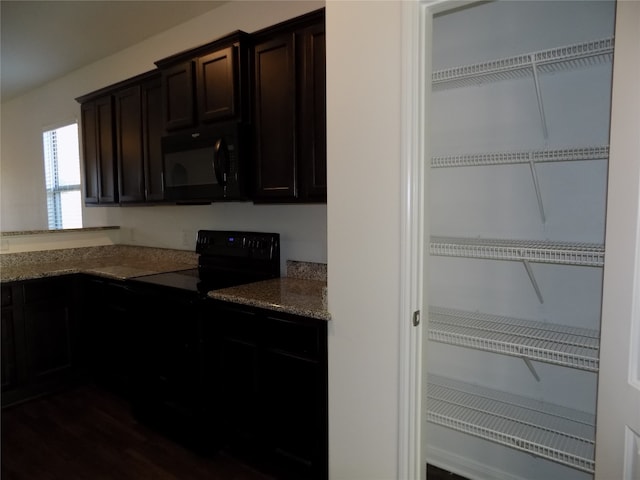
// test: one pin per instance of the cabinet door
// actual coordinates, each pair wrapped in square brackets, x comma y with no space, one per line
[8,352]
[48,324]
[267,376]
[178,102]
[292,413]
[108,327]
[153,129]
[99,151]
[238,363]
[129,138]
[37,337]
[12,347]
[90,152]
[295,411]
[216,77]
[312,148]
[49,347]
[275,119]
[107,187]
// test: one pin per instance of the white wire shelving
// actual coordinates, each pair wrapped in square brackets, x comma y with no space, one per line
[567,346]
[532,158]
[525,251]
[566,253]
[531,64]
[572,154]
[544,61]
[550,431]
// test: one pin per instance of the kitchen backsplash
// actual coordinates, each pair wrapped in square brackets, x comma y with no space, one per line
[307,270]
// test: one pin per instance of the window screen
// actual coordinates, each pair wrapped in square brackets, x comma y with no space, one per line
[62,171]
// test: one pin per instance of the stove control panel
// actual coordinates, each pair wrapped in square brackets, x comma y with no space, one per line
[233,244]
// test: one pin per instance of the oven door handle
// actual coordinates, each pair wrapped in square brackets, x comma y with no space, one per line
[221,161]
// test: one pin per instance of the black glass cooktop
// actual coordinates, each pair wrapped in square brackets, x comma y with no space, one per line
[183,280]
[190,280]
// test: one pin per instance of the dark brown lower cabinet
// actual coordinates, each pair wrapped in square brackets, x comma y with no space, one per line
[38,337]
[212,375]
[272,372]
[107,333]
[231,353]
[12,337]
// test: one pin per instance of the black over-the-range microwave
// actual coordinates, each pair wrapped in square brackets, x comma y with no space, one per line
[207,164]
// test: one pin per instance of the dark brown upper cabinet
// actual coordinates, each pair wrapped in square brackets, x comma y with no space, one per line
[129,144]
[289,114]
[215,85]
[153,129]
[206,84]
[122,130]
[273,82]
[178,109]
[313,115]
[98,144]
[138,136]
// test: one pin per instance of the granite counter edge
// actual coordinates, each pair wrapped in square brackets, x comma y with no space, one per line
[255,302]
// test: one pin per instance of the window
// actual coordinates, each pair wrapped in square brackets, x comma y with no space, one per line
[62,171]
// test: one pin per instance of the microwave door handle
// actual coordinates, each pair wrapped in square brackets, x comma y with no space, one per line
[219,151]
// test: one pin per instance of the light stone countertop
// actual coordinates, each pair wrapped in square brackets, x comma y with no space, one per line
[61,230]
[301,292]
[287,294]
[119,262]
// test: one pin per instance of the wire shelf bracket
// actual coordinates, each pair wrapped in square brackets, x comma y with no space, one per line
[536,186]
[532,279]
[536,81]
[545,430]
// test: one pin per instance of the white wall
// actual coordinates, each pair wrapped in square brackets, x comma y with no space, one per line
[363,118]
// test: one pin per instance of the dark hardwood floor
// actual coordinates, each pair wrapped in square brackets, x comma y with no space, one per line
[89,434]
[435,473]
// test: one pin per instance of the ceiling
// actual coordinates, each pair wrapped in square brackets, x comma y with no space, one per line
[43,40]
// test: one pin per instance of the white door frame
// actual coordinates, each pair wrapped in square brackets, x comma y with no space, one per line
[416,70]
[618,415]
[411,223]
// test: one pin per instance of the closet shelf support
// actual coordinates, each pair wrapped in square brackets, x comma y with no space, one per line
[534,282]
[536,185]
[536,81]
[531,368]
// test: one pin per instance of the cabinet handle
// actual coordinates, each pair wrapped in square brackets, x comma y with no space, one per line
[221,161]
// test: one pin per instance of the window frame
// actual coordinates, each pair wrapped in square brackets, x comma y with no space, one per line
[52,187]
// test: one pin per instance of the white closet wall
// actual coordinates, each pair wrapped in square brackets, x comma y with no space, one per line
[520,112]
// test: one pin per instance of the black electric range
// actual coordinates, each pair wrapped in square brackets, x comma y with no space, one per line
[225,259]
[176,337]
